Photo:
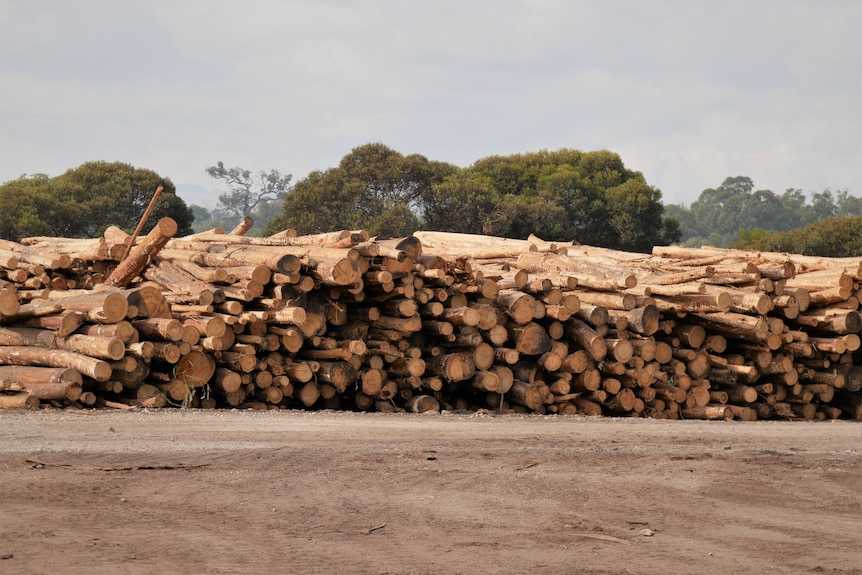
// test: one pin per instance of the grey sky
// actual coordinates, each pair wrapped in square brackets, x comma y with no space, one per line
[687,92]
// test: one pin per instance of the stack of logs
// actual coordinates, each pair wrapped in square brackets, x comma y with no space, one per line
[433,321]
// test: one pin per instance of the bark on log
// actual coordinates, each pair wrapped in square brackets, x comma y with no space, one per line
[21,355]
[142,254]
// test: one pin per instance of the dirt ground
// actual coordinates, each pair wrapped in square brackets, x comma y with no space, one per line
[217,492]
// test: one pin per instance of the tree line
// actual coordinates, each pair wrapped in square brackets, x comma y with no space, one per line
[85,200]
[561,195]
[735,214]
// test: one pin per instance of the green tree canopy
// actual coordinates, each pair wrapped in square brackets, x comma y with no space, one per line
[732,210]
[590,197]
[373,188]
[85,200]
[567,194]
[839,236]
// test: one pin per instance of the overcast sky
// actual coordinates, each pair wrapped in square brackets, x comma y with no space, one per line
[687,92]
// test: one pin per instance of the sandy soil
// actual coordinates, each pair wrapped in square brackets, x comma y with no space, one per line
[217,492]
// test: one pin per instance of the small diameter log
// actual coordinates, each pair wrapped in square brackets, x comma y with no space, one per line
[54,391]
[739,325]
[707,412]
[607,300]
[179,282]
[100,307]
[242,227]
[143,253]
[271,256]
[207,326]
[159,328]
[309,394]
[26,374]
[62,324]
[93,346]
[287,315]
[9,304]
[830,321]
[620,349]
[19,401]
[587,337]
[710,302]
[21,355]
[227,380]
[594,315]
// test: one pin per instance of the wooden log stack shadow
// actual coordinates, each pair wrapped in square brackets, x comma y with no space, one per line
[428,322]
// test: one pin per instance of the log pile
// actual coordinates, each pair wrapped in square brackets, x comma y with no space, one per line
[433,321]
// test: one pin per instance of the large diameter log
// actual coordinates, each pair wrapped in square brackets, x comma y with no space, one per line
[517,305]
[530,395]
[21,355]
[452,367]
[143,253]
[852,377]
[132,377]
[195,369]
[643,320]
[336,272]
[422,404]
[148,301]
[530,338]
[338,373]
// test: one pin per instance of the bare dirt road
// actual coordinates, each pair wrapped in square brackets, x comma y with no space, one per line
[188,492]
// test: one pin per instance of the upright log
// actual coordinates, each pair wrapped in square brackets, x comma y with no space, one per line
[142,254]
